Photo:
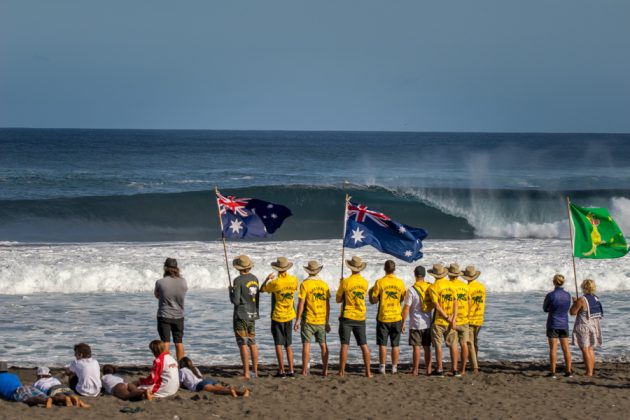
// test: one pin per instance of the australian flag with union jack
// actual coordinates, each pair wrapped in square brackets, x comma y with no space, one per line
[250,217]
[365,226]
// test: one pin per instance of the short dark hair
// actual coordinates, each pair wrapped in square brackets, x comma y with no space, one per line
[109,369]
[419,271]
[390,266]
[84,350]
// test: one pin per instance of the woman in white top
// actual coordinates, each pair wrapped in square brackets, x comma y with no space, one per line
[191,379]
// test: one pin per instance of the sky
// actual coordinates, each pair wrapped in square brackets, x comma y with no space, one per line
[365,65]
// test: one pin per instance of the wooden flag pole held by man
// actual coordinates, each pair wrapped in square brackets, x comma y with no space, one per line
[227,264]
[345,224]
[572,246]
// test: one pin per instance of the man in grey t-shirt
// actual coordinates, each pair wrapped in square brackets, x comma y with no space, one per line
[244,296]
[170,292]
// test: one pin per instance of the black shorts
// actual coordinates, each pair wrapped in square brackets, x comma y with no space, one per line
[282,333]
[166,325]
[555,333]
[351,326]
[388,329]
[420,337]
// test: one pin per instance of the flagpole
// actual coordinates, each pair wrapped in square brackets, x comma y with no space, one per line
[345,223]
[227,265]
[572,246]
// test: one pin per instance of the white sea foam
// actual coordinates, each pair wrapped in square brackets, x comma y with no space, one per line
[506,265]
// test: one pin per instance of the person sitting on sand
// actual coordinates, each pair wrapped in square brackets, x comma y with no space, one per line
[84,372]
[192,380]
[170,292]
[477,307]
[116,386]
[53,387]
[313,315]
[388,292]
[244,295]
[164,378]
[587,333]
[418,308]
[351,294]
[443,296]
[463,309]
[557,305]
[282,291]
[11,389]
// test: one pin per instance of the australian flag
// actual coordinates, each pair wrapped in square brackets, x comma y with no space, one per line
[250,217]
[369,227]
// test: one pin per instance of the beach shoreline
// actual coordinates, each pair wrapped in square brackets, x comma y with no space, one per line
[503,389]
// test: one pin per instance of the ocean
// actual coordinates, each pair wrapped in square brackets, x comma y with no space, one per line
[87,218]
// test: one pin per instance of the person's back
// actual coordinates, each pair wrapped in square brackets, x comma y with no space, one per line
[557,304]
[352,293]
[478,305]
[316,293]
[463,295]
[282,290]
[244,297]
[443,293]
[171,292]
[44,384]
[389,291]
[88,372]
[9,383]
[164,376]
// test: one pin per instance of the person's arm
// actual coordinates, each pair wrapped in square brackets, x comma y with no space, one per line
[546,304]
[340,291]
[156,291]
[156,371]
[328,313]
[264,287]
[374,293]
[405,314]
[577,305]
[235,294]
[470,302]
[454,319]
[300,311]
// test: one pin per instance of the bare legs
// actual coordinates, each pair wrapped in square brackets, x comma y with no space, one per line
[454,356]
[130,392]
[588,353]
[464,347]
[253,349]
[306,356]
[343,359]
[553,348]
[289,352]
[416,360]
[226,390]
[427,358]
[179,350]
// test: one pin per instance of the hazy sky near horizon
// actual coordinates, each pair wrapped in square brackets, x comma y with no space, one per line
[412,65]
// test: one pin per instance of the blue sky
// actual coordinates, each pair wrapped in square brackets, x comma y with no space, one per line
[557,66]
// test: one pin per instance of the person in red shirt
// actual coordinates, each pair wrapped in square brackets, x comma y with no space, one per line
[164,378]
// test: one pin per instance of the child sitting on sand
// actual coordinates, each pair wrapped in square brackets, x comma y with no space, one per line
[164,378]
[52,387]
[84,372]
[116,386]
[192,380]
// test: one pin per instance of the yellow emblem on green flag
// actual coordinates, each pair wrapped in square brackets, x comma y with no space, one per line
[596,234]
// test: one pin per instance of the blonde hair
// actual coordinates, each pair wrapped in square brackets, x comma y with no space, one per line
[558,280]
[588,286]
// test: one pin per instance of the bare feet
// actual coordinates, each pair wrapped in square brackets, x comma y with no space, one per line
[49,402]
[69,402]
[148,395]
[342,374]
[233,392]
[246,393]
[368,374]
[83,405]
[414,373]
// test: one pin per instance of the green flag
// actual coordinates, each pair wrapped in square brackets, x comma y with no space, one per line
[596,235]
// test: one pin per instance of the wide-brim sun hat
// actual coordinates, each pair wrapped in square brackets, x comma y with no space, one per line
[313,267]
[438,271]
[453,270]
[242,262]
[355,264]
[281,264]
[470,273]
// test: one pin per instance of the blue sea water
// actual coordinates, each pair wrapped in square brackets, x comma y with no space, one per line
[88,216]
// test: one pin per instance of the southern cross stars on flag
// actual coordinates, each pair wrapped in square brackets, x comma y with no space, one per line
[370,227]
[250,217]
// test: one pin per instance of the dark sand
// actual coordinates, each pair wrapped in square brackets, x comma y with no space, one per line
[501,390]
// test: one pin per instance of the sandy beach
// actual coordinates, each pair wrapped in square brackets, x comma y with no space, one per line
[501,390]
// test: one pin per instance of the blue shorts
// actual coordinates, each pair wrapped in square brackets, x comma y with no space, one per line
[201,385]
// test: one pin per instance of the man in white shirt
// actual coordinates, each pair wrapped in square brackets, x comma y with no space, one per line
[85,373]
[418,308]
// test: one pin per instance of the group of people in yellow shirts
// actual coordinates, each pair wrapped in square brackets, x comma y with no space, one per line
[450,310]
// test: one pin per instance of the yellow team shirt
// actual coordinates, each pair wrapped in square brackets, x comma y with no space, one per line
[423,289]
[282,291]
[351,293]
[389,290]
[478,305]
[316,294]
[443,293]
[463,295]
